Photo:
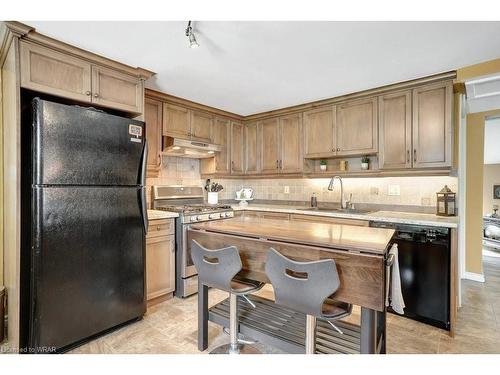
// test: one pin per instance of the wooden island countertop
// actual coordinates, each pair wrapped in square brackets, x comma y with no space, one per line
[334,236]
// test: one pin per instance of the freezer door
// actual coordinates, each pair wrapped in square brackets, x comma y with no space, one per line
[88,262]
[79,146]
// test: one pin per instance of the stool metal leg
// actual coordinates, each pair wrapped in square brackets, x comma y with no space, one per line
[310,334]
[234,347]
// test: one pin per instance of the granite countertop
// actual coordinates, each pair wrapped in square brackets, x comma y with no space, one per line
[385,216]
[158,214]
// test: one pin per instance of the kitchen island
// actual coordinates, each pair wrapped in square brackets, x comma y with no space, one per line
[359,252]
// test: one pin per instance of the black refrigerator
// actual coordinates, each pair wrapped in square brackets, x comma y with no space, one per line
[83,224]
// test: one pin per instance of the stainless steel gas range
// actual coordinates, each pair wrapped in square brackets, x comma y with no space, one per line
[188,202]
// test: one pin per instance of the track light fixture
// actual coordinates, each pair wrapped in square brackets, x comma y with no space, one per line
[190,34]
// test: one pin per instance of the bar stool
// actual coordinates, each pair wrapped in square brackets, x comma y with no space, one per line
[218,269]
[305,287]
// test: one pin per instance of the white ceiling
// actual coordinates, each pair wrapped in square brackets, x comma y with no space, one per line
[251,67]
[492,141]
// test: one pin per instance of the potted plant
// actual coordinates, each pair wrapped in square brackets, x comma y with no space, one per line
[322,165]
[365,162]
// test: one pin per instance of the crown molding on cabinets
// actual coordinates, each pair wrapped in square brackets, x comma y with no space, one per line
[28,33]
[357,95]
[153,94]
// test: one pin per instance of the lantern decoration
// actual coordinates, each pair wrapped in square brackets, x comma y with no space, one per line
[446,202]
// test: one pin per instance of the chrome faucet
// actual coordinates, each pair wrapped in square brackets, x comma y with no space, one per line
[330,187]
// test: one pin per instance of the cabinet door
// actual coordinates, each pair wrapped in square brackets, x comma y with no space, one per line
[251,149]
[51,72]
[117,90]
[160,266]
[176,121]
[395,130]
[291,142]
[237,148]
[357,130]
[329,220]
[320,133]
[220,135]
[153,111]
[201,126]
[432,137]
[269,146]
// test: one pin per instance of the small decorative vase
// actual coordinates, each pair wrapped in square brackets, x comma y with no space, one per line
[213,197]
[364,166]
[322,167]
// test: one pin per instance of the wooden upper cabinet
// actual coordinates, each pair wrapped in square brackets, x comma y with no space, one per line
[269,146]
[51,72]
[432,130]
[320,132]
[201,126]
[357,128]
[237,148]
[55,73]
[176,121]
[117,90]
[395,130]
[153,114]
[252,160]
[291,160]
[221,132]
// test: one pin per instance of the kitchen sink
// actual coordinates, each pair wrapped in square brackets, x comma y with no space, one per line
[337,210]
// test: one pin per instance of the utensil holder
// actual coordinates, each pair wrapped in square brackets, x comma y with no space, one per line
[213,197]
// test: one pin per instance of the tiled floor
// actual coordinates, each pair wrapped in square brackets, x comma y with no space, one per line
[171,326]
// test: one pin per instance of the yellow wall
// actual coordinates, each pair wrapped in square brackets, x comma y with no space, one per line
[474,166]
[491,177]
[474,193]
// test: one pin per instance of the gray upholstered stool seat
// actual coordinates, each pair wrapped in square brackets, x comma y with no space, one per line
[332,309]
[242,286]
[307,287]
[219,269]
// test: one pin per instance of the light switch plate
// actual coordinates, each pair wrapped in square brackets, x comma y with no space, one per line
[393,190]
[287,190]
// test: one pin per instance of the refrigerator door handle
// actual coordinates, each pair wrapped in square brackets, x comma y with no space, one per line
[144,211]
[142,182]
[144,159]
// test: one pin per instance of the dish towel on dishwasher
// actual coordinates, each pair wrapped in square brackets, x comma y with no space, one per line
[397,302]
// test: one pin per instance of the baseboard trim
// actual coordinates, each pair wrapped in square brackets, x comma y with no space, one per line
[479,277]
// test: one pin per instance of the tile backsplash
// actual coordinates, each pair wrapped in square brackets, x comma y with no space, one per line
[412,191]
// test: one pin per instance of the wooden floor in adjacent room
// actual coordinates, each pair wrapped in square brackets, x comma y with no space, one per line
[171,327]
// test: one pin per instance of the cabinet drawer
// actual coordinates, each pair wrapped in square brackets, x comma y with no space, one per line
[160,227]
[266,215]
[329,220]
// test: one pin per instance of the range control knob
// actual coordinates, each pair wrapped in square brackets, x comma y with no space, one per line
[221,215]
[211,216]
[227,214]
[193,218]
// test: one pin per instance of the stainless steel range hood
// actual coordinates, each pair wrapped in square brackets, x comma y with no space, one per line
[186,148]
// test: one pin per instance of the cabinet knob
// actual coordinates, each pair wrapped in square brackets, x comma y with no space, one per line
[96,95]
[338,149]
[87,93]
[158,227]
[414,155]
[408,156]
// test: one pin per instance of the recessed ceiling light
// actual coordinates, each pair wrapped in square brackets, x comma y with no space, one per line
[190,34]
[176,148]
[210,152]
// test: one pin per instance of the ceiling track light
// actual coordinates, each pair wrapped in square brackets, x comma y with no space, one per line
[190,34]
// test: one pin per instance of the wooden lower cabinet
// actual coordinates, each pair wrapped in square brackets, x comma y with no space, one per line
[263,214]
[329,220]
[160,260]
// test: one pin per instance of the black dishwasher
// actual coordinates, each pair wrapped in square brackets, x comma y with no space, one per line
[424,265]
